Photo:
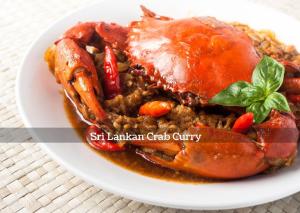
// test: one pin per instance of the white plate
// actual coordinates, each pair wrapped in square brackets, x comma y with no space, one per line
[41,105]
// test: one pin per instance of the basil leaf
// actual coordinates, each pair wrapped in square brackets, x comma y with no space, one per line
[253,94]
[232,95]
[259,110]
[260,97]
[268,74]
[277,101]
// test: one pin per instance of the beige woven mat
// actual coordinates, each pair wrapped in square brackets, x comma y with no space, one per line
[29,180]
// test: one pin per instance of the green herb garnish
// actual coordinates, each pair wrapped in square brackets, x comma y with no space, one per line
[260,96]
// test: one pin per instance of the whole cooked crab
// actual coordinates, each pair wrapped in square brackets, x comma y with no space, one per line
[193,58]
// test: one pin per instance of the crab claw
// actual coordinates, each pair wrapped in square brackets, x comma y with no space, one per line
[278,138]
[219,154]
[225,154]
[112,33]
[75,70]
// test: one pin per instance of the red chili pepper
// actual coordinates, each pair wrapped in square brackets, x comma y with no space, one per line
[243,123]
[156,108]
[111,78]
[97,139]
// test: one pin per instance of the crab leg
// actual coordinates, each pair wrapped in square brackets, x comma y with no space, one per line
[75,69]
[293,98]
[291,85]
[291,67]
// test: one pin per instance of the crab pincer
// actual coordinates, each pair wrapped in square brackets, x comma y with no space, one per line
[226,154]
[75,70]
[74,67]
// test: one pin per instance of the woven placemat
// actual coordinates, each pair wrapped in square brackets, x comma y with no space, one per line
[29,180]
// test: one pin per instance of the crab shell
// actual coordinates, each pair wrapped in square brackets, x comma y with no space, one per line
[199,55]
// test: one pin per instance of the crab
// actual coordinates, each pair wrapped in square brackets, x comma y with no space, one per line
[199,56]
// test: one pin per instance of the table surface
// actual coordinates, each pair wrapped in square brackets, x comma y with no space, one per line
[29,180]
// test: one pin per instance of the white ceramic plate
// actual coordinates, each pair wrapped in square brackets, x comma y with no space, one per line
[41,105]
